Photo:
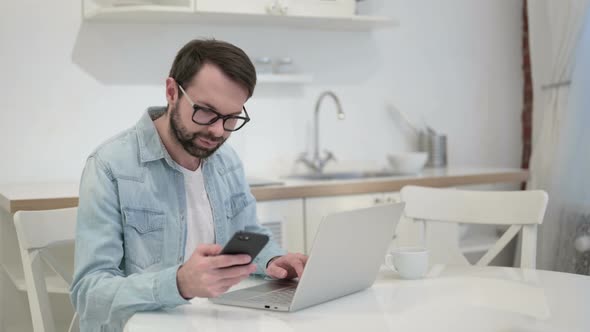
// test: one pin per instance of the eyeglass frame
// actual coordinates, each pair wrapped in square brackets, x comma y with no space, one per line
[217,114]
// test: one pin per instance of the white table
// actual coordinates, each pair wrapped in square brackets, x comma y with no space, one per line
[449,299]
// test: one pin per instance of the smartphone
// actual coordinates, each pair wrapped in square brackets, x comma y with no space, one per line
[245,243]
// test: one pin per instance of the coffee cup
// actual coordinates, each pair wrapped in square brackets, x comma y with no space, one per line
[408,262]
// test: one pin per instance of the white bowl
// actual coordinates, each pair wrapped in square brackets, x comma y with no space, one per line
[408,162]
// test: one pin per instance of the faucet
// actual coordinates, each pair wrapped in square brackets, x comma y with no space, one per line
[318,163]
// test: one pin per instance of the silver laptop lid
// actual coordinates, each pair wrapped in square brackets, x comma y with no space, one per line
[347,252]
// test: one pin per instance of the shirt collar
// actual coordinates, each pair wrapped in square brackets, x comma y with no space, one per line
[150,145]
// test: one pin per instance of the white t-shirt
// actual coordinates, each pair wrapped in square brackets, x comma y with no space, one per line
[199,218]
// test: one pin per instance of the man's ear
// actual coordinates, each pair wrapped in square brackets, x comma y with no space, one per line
[172,91]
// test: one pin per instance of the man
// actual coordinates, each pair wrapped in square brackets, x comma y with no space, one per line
[155,198]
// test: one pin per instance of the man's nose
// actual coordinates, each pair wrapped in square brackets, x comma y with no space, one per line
[216,128]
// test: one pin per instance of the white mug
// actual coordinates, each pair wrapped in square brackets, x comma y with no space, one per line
[409,262]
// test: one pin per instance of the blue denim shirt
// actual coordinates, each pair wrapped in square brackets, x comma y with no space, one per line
[131,226]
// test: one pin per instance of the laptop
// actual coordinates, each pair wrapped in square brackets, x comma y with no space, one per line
[345,258]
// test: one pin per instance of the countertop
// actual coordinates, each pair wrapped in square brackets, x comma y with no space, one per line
[435,177]
[39,196]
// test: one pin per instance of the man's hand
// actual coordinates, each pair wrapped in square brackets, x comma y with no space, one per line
[287,267]
[208,274]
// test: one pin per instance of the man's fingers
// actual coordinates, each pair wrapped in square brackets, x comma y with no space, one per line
[222,261]
[229,282]
[303,258]
[235,271]
[294,264]
[228,277]
[298,266]
[302,262]
[276,272]
[209,249]
[288,266]
[217,291]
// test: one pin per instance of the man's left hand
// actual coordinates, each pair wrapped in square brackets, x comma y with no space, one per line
[288,266]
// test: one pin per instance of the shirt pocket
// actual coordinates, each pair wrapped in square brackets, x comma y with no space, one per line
[144,236]
[235,205]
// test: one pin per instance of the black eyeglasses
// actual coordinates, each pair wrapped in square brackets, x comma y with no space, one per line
[205,116]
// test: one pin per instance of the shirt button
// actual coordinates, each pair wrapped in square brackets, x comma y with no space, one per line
[180,259]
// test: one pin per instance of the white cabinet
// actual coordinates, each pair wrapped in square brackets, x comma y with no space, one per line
[285,219]
[306,14]
[234,6]
[343,8]
[329,8]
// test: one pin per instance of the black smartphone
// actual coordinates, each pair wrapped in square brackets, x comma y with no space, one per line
[245,243]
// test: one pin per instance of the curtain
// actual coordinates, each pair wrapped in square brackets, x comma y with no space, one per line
[572,180]
[560,148]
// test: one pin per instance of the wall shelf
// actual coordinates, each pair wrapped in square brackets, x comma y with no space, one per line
[186,14]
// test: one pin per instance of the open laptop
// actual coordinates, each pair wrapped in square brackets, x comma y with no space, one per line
[347,253]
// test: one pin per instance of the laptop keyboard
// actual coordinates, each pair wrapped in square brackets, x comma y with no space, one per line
[279,296]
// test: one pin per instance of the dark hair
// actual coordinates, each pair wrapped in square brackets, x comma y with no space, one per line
[231,59]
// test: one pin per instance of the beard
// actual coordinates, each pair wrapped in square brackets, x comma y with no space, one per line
[188,139]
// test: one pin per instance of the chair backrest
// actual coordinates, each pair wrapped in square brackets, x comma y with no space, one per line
[36,232]
[522,210]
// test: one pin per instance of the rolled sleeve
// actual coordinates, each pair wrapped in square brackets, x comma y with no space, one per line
[166,288]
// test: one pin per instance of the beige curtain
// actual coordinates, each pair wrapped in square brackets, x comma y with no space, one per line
[555,28]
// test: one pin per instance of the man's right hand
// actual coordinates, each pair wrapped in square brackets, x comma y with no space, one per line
[208,274]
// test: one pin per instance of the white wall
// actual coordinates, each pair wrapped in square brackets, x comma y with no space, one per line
[67,85]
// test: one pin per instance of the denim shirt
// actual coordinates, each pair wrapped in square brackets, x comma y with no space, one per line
[131,225]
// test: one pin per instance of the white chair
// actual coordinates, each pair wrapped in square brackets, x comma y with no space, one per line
[522,210]
[38,231]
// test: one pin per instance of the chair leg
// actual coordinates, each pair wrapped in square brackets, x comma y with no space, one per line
[528,257]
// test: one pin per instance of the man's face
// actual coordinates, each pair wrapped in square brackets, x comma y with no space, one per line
[210,88]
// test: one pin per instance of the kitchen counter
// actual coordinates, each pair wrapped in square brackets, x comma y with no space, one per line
[446,177]
[39,196]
